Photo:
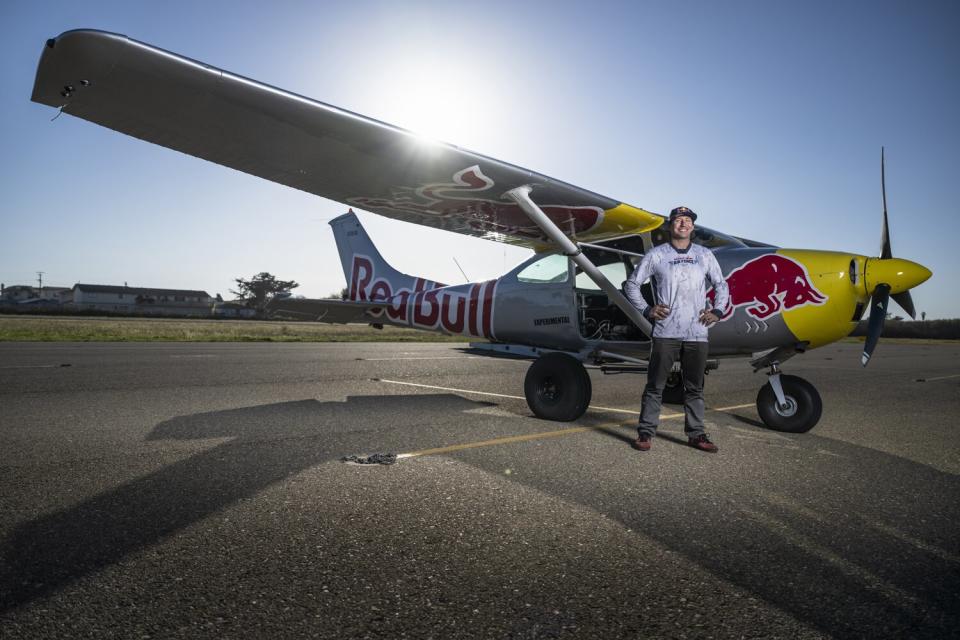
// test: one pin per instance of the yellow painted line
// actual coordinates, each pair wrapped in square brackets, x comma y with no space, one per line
[512,439]
[504,395]
[525,437]
[731,408]
[956,375]
[496,441]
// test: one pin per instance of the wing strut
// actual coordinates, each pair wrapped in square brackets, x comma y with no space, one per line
[521,195]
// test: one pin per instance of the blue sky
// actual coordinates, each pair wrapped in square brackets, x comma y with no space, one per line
[765,117]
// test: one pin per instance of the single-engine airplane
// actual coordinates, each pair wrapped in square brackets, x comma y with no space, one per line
[560,307]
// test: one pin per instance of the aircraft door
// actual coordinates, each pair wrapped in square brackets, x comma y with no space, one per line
[599,318]
[535,304]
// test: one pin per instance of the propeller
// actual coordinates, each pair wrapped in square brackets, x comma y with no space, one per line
[878,313]
[888,277]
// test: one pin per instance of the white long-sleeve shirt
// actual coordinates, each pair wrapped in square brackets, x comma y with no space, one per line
[680,281]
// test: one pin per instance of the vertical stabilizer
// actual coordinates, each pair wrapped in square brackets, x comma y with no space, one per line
[368,275]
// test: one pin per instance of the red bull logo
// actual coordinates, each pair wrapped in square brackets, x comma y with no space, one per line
[464,198]
[769,284]
[428,305]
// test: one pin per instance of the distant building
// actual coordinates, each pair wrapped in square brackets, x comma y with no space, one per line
[29,295]
[17,292]
[140,300]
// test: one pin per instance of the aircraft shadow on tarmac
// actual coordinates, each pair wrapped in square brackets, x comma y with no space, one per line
[268,444]
[847,539]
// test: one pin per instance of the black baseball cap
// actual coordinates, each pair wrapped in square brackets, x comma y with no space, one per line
[682,211]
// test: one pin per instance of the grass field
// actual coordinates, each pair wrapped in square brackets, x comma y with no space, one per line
[92,329]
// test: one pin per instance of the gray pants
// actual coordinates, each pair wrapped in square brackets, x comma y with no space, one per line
[693,360]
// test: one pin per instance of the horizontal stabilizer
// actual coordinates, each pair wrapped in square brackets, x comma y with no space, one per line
[332,311]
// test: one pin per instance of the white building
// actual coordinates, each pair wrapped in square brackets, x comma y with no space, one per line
[140,300]
[28,294]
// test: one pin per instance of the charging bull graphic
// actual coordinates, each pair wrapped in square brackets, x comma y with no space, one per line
[462,197]
[464,309]
[767,284]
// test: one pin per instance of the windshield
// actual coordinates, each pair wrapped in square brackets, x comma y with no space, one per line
[614,266]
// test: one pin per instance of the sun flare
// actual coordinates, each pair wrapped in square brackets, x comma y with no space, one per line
[438,100]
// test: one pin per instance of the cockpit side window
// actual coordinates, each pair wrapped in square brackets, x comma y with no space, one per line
[553,268]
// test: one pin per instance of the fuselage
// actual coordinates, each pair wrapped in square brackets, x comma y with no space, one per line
[778,296]
[791,298]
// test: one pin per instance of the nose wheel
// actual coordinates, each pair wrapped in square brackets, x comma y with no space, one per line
[789,403]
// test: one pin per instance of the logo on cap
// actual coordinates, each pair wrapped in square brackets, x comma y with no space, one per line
[682,211]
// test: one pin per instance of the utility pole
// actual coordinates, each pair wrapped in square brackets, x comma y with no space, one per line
[40,283]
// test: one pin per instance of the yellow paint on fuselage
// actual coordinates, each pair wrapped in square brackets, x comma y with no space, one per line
[829,273]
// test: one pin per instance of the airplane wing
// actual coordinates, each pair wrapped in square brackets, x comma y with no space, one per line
[332,311]
[182,104]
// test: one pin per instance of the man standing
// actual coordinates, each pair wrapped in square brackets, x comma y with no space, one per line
[679,270]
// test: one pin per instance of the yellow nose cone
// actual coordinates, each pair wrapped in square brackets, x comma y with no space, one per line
[898,273]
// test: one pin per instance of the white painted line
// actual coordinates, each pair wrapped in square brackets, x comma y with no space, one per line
[956,375]
[929,548]
[504,395]
[824,452]
[593,406]
[431,386]
[33,366]
[419,358]
[897,596]
[445,358]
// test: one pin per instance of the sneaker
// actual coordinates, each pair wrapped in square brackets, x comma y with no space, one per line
[703,443]
[643,443]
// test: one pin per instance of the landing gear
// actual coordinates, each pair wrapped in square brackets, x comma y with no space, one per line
[557,387]
[788,403]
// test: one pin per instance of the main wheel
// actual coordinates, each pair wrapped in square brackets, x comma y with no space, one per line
[557,387]
[673,390]
[801,412]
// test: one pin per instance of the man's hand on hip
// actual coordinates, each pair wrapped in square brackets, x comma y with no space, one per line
[659,312]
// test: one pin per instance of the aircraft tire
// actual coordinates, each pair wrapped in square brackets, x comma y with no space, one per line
[673,390]
[557,387]
[803,410]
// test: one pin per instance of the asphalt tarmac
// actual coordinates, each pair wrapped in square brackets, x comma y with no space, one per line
[197,490]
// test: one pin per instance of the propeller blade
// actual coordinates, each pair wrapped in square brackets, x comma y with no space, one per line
[885,251]
[906,303]
[878,312]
